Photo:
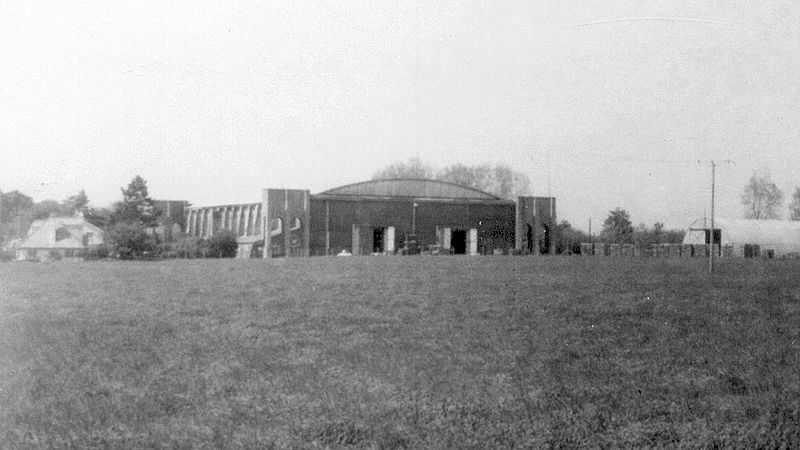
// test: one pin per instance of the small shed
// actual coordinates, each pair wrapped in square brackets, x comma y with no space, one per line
[59,238]
[749,238]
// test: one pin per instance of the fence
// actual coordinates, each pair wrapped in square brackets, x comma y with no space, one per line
[654,250]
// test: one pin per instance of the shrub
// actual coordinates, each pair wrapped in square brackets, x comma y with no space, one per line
[131,240]
[189,247]
[98,252]
[223,245]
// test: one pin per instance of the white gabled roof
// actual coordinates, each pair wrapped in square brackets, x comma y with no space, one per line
[42,233]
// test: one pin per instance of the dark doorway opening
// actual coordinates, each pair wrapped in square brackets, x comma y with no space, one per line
[717,236]
[458,242]
[717,240]
[377,240]
[529,237]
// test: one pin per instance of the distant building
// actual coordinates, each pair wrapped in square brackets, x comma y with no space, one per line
[382,217]
[172,220]
[748,238]
[59,238]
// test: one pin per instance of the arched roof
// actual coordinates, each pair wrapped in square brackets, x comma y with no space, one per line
[410,187]
[742,231]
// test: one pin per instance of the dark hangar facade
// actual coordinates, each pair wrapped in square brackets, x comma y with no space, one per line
[382,217]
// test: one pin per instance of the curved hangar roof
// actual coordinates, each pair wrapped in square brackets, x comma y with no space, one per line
[409,188]
[743,231]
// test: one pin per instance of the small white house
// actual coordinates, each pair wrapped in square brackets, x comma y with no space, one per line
[59,237]
[749,238]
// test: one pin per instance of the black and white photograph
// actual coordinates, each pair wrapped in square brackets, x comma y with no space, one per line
[399,224]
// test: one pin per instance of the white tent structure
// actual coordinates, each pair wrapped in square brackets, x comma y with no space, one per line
[749,238]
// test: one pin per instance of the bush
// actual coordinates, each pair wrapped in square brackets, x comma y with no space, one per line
[98,252]
[223,245]
[188,247]
[131,240]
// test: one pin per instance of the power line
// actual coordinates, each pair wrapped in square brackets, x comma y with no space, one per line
[646,19]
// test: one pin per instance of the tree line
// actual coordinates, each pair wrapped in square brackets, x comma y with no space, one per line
[763,200]
[496,179]
[507,183]
[131,225]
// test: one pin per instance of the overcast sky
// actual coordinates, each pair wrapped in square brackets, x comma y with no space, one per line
[212,101]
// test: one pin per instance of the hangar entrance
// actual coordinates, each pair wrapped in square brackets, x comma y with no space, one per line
[377,240]
[382,240]
[529,238]
[458,241]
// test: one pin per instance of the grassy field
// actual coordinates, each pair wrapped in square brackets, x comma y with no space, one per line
[405,352]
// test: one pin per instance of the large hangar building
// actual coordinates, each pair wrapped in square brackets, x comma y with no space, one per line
[382,217]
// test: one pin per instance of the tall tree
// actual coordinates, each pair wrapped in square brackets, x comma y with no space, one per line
[131,221]
[500,180]
[413,168]
[569,239]
[476,177]
[617,228]
[13,203]
[794,207]
[136,206]
[16,215]
[99,217]
[77,203]
[508,183]
[644,237]
[761,198]
[47,208]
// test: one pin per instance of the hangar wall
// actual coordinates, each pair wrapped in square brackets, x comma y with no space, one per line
[287,221]
[381,217]
[333,221]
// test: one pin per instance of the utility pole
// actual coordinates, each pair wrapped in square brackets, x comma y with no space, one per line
[711,231]
[711,238]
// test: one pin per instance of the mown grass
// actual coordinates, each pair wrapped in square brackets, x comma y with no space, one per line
[406,352]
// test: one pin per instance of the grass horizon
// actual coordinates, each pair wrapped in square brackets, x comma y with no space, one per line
[400,352]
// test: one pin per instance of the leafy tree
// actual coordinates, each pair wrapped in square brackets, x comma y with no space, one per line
[413,168]
[568,239]
[761,197]
[12,203]
[617,227]
[499,180]
[99,217]
[133,221]
[15,215]
[476,177]
[673,236]
[131,240]
[136,206]
[508,183]
[78,203]
[47,208]
[794,207]
[223,244]
[644,237]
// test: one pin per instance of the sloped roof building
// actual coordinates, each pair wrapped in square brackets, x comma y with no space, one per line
[59,237]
